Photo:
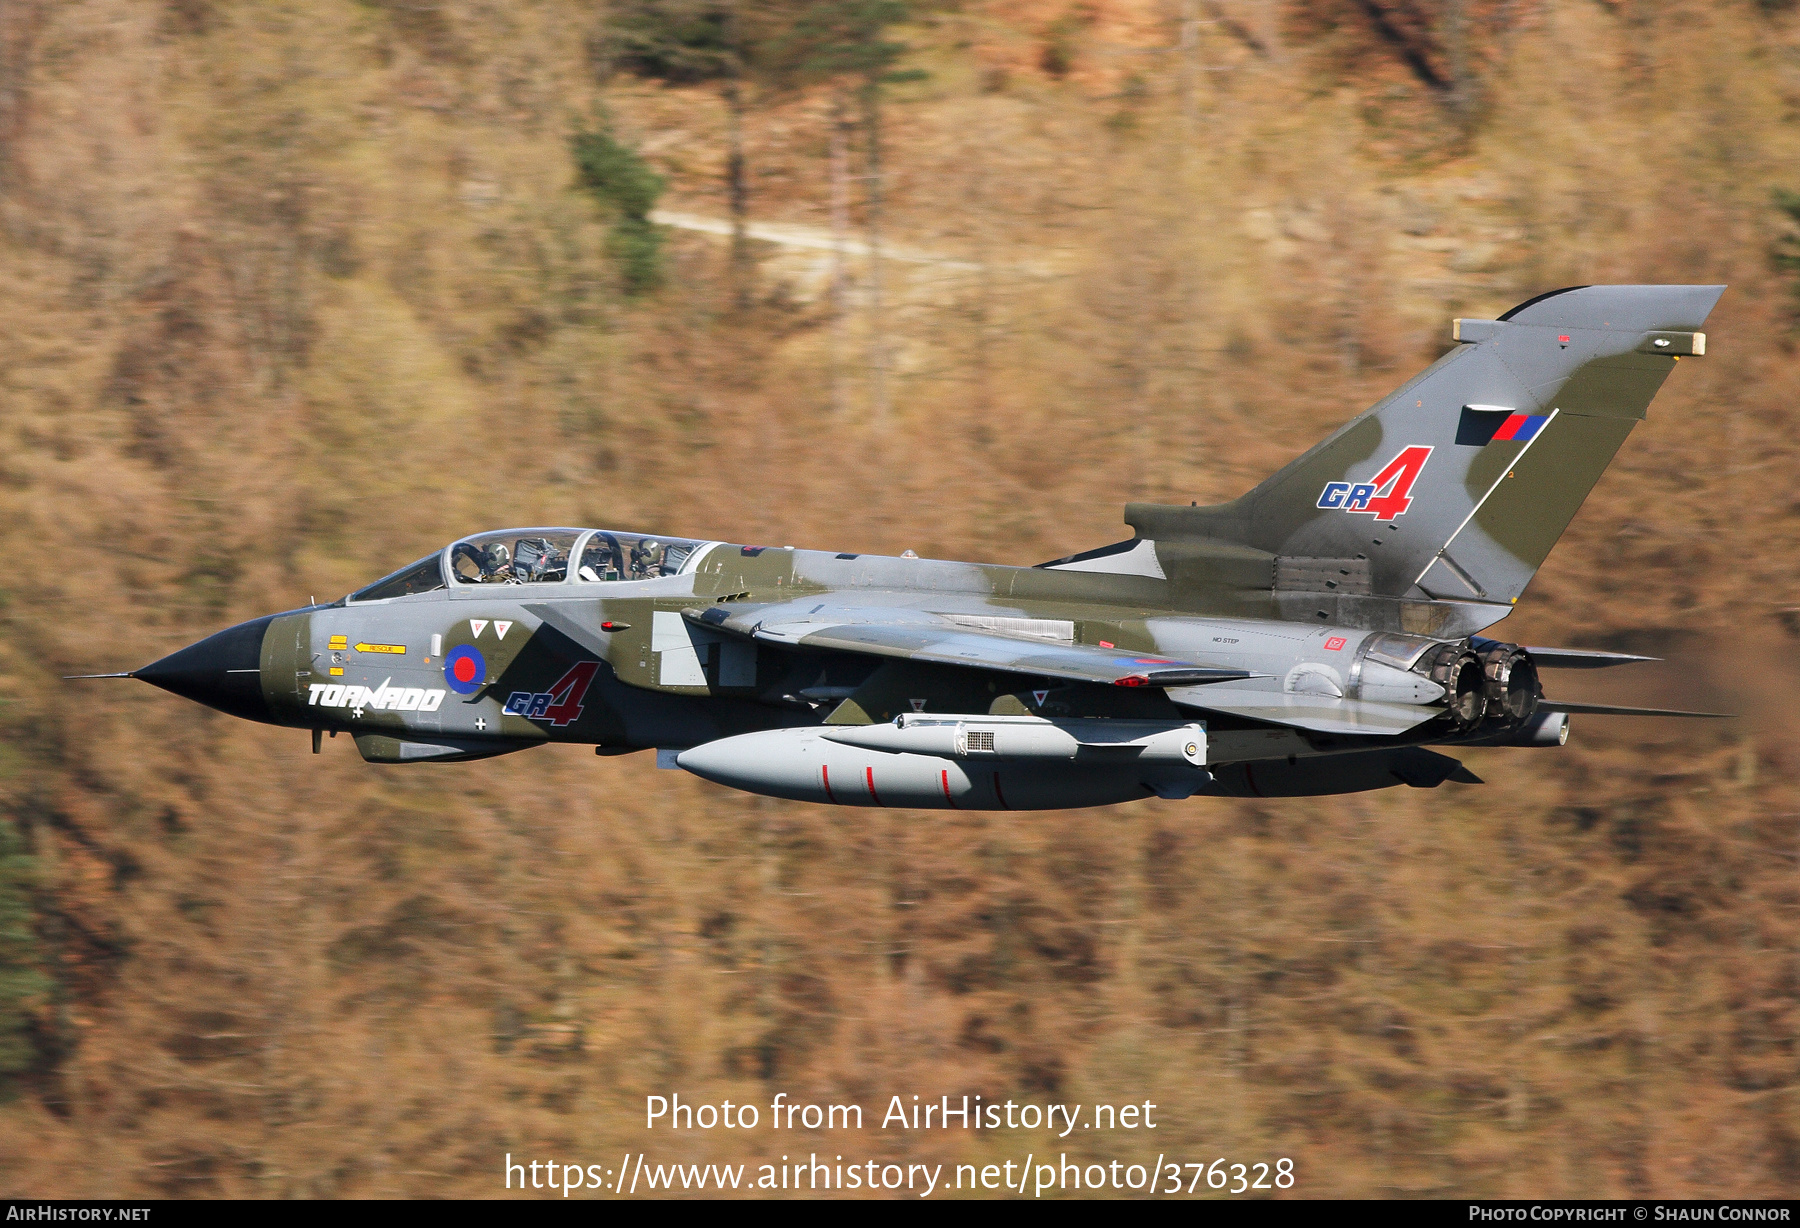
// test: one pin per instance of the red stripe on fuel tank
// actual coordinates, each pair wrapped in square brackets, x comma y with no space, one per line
[870,776]
[999,794]
[825,775]
[946,775]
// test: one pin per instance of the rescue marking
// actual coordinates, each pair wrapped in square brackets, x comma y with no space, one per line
[501,628]
[339,642]
[477,626]
[393,650]
[562,703]
[1388,494]
[1335,644]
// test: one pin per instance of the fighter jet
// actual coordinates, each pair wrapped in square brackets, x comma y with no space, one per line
[1315,636]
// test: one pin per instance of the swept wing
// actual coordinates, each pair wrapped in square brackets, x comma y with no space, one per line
[1019,646]
[1026,646]
[1554,705]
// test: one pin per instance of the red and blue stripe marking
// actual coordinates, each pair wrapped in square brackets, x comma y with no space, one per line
[1521,427]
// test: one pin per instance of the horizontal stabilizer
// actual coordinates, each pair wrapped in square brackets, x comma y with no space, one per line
[1319,713]
[1581,658]
[1424,769]
[1615,710]
[1352,773]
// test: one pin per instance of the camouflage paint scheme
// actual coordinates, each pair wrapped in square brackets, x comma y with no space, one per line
[1286,639]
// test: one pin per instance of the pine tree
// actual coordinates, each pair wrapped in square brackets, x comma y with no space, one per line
[690,42]
[1785,255]
[619,177]
[846,43]
[20,981]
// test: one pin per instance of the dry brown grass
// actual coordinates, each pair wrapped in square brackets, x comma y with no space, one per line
[295,292]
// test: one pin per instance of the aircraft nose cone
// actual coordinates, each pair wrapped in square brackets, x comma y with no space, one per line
[221,671]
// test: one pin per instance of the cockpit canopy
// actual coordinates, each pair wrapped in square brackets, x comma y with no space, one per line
[513,556]
[538,556]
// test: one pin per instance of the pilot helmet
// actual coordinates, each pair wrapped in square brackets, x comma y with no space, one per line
[495,557]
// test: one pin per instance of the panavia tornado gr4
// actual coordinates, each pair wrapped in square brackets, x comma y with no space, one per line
[1315,636]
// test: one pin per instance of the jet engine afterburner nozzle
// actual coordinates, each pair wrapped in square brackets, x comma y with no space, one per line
[1457,669]
[1512,685]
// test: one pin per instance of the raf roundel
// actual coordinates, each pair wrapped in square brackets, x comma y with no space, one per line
[465,669]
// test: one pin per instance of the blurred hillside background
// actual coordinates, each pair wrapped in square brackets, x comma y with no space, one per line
[295,292]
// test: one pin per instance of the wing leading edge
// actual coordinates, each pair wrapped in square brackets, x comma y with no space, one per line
[918,636]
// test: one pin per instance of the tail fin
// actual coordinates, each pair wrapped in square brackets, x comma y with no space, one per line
[1456,486]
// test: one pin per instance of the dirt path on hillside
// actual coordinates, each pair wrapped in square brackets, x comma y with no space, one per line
[814,238]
